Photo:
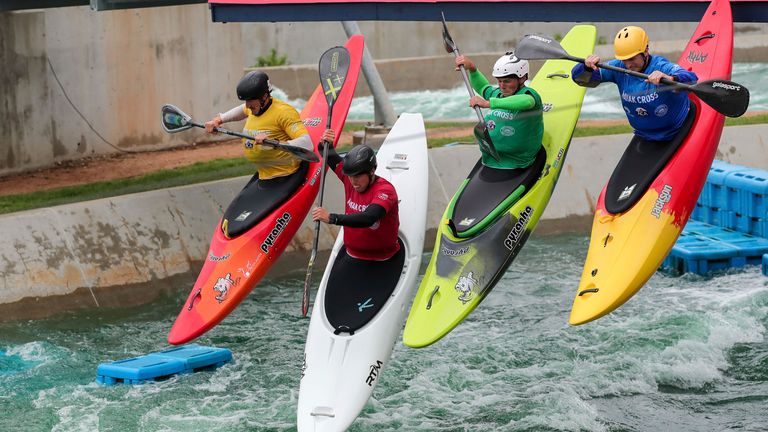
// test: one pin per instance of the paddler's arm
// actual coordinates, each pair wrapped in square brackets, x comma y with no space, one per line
[587,75]
[477,80]
[518,102]
[521,102]
[372,214]
[333,157]
[235,114]
[672,72]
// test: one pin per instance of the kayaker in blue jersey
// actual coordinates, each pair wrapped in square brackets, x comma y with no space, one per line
[654,115]
[515,120]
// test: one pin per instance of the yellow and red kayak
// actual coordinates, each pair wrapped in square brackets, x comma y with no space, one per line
[249,240]
[662,184]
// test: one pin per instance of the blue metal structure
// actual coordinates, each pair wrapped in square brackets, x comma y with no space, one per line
[482,11]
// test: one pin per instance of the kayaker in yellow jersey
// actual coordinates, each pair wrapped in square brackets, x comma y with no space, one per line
[267,117]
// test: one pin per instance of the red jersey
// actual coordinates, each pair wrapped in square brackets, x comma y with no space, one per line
[379,241]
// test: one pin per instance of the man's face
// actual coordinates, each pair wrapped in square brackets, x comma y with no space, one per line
[635,63]
[255,104]
[509,85]
[360,181]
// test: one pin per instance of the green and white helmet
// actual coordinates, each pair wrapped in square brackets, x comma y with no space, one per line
[509,64]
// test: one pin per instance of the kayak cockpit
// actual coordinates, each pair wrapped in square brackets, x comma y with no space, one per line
[639,166]
[489,192]
[358,289]
[258,199]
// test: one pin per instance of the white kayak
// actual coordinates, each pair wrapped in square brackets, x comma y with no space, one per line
[360,305]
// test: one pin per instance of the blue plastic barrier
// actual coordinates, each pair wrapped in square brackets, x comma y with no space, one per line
[765,264]
[701,255]
[748,193]
[714,192]
[162,365]
[728,226]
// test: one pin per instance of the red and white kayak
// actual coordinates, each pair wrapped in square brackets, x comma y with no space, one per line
[242,251]
[662,184]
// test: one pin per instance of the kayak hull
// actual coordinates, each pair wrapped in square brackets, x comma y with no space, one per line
[627,248]
[233,267]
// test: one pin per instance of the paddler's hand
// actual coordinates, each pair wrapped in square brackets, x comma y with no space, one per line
[211,125]
[329,135]
[258,139]
[656,76]
[479,102]
[592,61]
[463,60]
[320,214]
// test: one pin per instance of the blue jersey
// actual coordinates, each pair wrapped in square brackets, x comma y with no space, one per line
[654,115]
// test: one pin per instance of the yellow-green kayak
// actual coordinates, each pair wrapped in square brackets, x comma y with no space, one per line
[489,219]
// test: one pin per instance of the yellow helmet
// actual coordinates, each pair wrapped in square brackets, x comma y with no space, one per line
[629,42]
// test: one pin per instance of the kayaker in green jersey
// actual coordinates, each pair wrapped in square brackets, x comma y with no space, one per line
[515,119]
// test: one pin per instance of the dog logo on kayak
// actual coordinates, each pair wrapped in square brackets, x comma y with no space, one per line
[222,286]
[465,286]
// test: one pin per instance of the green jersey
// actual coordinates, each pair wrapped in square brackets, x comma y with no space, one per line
[515,124]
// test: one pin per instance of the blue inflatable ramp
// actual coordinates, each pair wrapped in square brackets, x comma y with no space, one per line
[162,365]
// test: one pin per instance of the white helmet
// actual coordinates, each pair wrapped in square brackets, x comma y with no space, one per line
[509,64]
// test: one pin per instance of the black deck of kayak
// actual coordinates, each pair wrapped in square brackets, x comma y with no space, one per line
[259,198]
[357,289]
[641,163]
[488,188]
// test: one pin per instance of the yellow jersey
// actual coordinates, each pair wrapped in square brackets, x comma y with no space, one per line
[281,122]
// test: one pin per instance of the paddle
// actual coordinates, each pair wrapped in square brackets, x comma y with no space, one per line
[726,97]
[176,120]
[481,129]
[333,68]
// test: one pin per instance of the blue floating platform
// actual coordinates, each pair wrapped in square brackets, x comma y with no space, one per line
[731,215]
[703,248]
[750,193]
[162,365]
[715,193]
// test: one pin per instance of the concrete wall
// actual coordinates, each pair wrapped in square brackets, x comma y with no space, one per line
[120,251]
[76,82]
[303,42]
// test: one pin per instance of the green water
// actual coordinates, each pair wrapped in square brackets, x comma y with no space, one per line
[685,354]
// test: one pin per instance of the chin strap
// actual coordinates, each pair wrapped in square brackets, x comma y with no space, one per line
[264,106]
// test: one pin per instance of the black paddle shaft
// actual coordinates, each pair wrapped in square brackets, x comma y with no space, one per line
[726,97]
[176,120]
[481,129]
[333,68]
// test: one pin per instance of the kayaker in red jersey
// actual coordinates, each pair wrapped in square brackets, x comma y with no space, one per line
[654,115]
[371,219]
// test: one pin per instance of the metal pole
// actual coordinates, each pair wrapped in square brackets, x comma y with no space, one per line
[383,112]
